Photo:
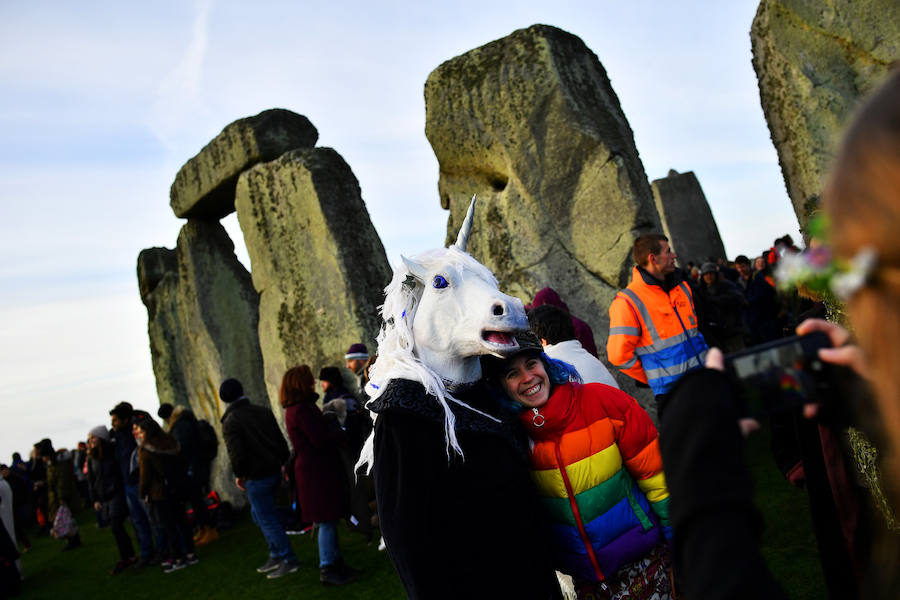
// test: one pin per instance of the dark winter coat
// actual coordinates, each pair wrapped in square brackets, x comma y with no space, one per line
[253,439]
[125,447]
[322,485]
[162,472]
[105,483]
[720,309]
[454,527]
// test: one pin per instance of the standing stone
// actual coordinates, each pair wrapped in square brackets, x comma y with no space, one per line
[203,319]
[220,308]
[318,264]
[157,271]
[204,187]
[814,61]
[532,125]
[686,218]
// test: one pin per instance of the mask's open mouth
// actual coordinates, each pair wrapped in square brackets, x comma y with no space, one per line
[499,343]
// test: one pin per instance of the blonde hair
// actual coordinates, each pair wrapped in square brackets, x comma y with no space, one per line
[862,200]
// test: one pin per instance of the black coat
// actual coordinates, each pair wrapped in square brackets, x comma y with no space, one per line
[254,441]
[105,483]
[457,528]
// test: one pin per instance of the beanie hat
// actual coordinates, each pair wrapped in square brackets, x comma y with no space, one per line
[165,411]
[331,375]
[230,390]
[100,431]
[528,342]
[708,267]
[357,350]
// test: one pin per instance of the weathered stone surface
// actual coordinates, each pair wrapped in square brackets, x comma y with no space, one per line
[204,187]
[532,125]
[203,319]
[686,217]
[814,61]
[157,270]
[318,264]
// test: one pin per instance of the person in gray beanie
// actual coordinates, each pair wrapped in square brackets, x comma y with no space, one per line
[107,492]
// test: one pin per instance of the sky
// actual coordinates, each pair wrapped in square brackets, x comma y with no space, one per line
[101,104]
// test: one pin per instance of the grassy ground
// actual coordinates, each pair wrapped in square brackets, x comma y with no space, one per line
[789,544]
[227,569]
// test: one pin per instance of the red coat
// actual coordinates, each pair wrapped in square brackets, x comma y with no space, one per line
[322,486]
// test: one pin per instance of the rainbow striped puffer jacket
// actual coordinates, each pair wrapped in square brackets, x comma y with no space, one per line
[596,462]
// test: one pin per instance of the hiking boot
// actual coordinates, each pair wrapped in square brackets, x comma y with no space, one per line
[284,568]
[332,575]
[209,535]
[175,566]
[270,565]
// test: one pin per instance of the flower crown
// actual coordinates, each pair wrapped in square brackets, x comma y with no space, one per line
[817,270]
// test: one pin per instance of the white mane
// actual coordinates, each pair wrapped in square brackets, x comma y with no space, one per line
[396,359]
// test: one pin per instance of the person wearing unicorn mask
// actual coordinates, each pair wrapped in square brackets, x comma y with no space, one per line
[457,508]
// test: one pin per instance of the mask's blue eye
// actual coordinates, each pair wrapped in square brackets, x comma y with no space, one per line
[439,282]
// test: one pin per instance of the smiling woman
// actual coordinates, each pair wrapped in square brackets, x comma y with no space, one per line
[596,462]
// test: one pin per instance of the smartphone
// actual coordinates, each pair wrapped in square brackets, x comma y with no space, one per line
[780,375]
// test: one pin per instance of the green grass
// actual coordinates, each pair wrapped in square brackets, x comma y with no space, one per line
[788,543]
[227,569]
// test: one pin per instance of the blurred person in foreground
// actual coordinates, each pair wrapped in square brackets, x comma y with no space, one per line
[717,535]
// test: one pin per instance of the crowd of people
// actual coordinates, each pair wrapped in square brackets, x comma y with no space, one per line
[539,462]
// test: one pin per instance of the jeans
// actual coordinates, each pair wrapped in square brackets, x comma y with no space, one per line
[261,494]
[140,520]
[329,552]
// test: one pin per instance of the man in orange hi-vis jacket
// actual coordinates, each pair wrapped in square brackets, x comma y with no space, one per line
[653,335]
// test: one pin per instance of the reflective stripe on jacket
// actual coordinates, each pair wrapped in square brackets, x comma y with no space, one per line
[653,335]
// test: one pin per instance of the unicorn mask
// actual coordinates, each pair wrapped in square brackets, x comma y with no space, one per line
[442,311]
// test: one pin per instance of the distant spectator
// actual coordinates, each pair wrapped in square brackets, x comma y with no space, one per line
[583,331]
[553,327]
[163,486]
[107,492]
[61,488]
[762,309]
[720,307]
[355,359]
[726,270]
[182,424]
[126,454]
[257,450]
[322,483]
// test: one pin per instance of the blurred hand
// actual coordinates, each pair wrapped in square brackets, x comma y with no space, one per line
[97,506]
[240,481]
[716,360]
[842,354]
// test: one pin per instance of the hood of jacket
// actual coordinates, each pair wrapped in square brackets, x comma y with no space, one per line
[549,296]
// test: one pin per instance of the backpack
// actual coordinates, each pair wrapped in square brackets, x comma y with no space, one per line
[208,442]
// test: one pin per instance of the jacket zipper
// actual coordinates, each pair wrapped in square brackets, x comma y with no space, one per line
[574,506]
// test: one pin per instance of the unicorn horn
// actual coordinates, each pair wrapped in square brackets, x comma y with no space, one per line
[463,238]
